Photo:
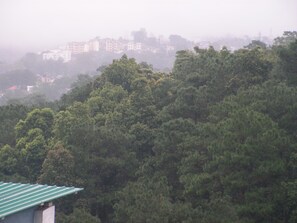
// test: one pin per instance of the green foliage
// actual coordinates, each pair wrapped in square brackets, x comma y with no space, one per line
[74,126]
[250,67]
[143,140]
[38,118]
[190,103]
[106,100]
[256,44]
[9,160]
[286,38]
[249,156]
[9,117]
[121,72]
[58,167]
[144,201]
[78,216]
[288,57]
[215,141]
[277,100]
[32,149]
[80,91]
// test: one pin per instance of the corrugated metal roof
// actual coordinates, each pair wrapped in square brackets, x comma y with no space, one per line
[15,197]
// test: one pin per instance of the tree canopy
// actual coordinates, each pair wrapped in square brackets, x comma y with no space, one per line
[212,141]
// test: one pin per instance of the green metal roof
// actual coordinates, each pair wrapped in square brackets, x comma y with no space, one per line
[15,197]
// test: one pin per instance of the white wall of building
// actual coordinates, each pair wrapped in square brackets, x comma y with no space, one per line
[64,55]
[46,215]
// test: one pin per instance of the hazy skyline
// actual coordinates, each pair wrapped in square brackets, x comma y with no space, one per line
[41,23]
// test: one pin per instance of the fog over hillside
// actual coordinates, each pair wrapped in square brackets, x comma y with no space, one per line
[58,40]
[36,25]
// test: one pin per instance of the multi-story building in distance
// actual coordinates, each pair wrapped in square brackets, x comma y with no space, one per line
[77,47]
[134,46]
[94,45]
[64,55]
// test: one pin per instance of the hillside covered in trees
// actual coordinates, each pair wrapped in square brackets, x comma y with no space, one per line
[212,142]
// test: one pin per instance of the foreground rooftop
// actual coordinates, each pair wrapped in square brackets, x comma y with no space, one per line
[15,197]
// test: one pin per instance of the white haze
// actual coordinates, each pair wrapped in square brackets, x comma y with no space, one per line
[33,24]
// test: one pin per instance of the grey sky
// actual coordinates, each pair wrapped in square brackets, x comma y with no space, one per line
[40,23]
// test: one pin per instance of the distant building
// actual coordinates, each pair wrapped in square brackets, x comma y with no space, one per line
[152,49]
[76,47]
[132,46]
[94,45]
[106,44]
[84,47]
[111,45]
[30,203]
[30,88]
[45,79]
[58,54]
[138,46]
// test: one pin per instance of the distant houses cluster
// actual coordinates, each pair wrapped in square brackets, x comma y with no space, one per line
[41,79]
[65,53]
[70,50]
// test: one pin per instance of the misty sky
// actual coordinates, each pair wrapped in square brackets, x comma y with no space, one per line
[42,23]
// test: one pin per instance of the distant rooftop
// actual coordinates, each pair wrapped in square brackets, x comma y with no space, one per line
[15,197]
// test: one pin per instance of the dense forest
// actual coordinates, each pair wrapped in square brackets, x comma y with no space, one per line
[214,141]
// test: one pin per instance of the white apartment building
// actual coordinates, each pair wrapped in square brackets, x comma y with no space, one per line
[111,45]
[77,47]
[94,45]
[86,48]
[138,46]
[64,55]
[134,46]
[83,47]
